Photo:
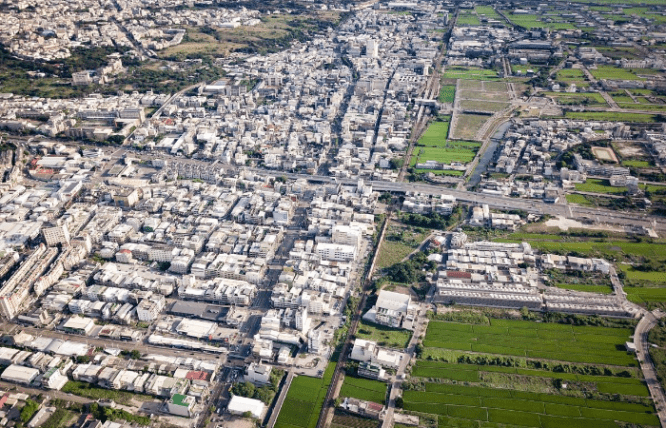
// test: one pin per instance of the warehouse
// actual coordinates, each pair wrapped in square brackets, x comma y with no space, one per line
[239,405]
[19,374]
[196,328]
[79,325]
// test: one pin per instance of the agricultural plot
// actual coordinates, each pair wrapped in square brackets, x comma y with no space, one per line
[469,19]
[460,391]
[529,21]
[594,185]
[435,135]
[610,116]
[447,93]
[443,155]
[467,126]
[588,288]
[341,420]
[577,98]
[570,75]
[614,73]
[364,389]
[469,73]
[560,343]
[305,400]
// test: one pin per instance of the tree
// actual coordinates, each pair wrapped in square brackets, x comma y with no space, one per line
[399,402]
[28,411]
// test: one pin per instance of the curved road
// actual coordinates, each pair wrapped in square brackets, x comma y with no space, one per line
[647,366]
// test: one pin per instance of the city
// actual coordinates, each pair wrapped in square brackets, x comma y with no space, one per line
[344,214]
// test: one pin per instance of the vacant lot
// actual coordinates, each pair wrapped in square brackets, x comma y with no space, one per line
[400,241]
[470,73]
[482,106]
[595,185]
[384,336]
[610,116]
[468,125]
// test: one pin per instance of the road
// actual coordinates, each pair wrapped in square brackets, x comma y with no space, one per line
[280,400]
[533,206]
[396,387]
[647,366]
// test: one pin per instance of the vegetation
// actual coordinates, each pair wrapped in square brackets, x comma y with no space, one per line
[305,400]
[107,413]
[29,410]
[384,336]
[265,393]
[84,389]
[58,418]
[580,375]
[364,389]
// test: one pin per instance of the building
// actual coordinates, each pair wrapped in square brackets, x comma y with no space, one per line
[363,408]
[370,370]
[79,325]
[56,235]
[19,374]
[148,309]
[126,198]
[240,405]
[363,350]
[336,252]
[259,374]
[181,405]
[391,308]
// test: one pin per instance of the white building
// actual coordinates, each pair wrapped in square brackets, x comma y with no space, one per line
[239,405]
[363,350]
[148,309]
[181,405]
[19,374]
[336,252]
[258,374]
[56,235]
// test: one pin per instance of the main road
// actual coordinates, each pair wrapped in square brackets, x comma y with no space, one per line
[647,366]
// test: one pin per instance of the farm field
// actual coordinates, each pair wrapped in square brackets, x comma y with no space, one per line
[614,73]
[590,288]
[556,342]
[578,199]
[566,98]
[599,186]
[443,155]
[384,336]
[447,93]
[305,400]
[529,21]
[364,389]
[470,73]
[496,387]
[435,135]
[636,163]
[467,18]
[570,75]
[342,420]
[611,116]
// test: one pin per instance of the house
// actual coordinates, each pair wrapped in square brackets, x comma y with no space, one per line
[180,405]
[390,310]
[363,350]
[258,374]
[363,408]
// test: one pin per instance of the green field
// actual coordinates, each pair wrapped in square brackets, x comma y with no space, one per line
[447,93]
[384,336]
[614,73]
[587,98]
[470,73]
[493,387]
[305,400]
[570,75]
[578,199]
[467,18]
[636,163]
[530,21]
[557,342]
[364,389]
[435,135]
[590,288]
[599,186]
[610,116]
[442,155]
